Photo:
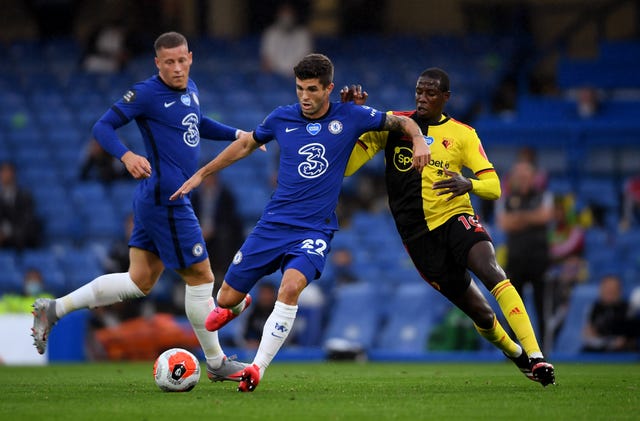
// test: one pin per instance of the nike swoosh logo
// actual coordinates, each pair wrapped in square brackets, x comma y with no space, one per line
[168,104]
[273,334]
[287,130]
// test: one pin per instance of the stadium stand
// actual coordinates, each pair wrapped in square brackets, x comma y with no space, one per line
[46,119]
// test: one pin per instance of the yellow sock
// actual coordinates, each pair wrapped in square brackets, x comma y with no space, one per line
[513,309]
[498,336]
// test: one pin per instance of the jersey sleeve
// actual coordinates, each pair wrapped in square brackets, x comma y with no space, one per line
[123,111]
[369,118]
[264,132]
[487,186]
[214,130]
[367,146]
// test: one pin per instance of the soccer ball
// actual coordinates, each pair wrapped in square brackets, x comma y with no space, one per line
[176,370]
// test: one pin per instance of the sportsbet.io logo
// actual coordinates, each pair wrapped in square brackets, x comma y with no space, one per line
[402,158]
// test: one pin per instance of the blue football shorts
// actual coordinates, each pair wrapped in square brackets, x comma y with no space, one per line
[272,246]
[171,232]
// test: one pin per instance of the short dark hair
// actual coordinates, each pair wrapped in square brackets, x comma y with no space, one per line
[315,66]
[169,40]
[438,74]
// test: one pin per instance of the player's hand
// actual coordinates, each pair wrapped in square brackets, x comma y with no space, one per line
[187,186]
[137,165]
[353,93]
[421,154]
[456,185]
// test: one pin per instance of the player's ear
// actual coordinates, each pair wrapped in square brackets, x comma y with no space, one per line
[330,87]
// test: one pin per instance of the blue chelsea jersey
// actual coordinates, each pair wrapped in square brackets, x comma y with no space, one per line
[169,121]
[313,157]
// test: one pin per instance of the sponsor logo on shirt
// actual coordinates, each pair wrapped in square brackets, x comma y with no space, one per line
[314,128]
[314,164]
[402,158]
[191,135]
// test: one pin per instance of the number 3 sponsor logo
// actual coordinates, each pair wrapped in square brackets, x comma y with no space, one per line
[315,164]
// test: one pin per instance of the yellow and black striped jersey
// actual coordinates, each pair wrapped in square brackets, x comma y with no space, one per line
[414,204]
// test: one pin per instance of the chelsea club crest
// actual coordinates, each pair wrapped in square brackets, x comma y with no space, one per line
[335,127]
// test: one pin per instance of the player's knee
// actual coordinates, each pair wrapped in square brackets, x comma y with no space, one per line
[289,292]
[484,317]
[144,284]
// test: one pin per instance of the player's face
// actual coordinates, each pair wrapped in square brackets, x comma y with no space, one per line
[313,97]
[430,100]
[174,65]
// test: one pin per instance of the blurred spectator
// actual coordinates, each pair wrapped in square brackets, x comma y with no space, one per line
[98,165]
[20,227]
[368,193]
[117,259]
[525,154]
[568,266]
[107,50]
[529,154]
[33,287]
[587,102]
[505,98]
[259,311]
[342,264]
[524,214]
[285,42]
[630,203]
[222,227]
[610,328]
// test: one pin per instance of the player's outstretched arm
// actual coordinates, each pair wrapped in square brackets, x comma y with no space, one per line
[421,151]
[240,148]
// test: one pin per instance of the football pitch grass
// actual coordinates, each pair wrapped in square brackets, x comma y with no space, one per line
[325,391]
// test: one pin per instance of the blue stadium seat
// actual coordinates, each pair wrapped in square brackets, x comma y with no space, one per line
[599,191]
[79,257]
[11,280]
[355,316]
[77,276]
[88,193]
[251,200]
[55,283]
[121,194]
[569,339]
[61,222]
[42,259]
[628,245]
[413,310]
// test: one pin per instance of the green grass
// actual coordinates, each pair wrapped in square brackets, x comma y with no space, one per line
[325,391]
